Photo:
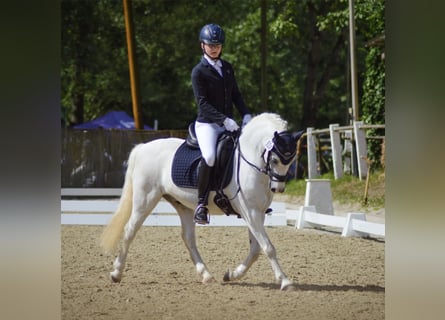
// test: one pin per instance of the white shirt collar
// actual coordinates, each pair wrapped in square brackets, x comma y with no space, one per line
[213,62]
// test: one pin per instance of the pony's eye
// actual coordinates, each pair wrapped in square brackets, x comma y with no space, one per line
[274,161]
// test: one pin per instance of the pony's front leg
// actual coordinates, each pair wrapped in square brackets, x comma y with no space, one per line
[253,255]
[256,226]
[188,236]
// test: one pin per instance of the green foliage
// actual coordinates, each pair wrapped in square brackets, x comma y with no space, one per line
[373,98]
[295,187]
[373,102]
[306,76]
[370,30]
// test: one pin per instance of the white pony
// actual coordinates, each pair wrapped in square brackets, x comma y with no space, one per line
[258,171]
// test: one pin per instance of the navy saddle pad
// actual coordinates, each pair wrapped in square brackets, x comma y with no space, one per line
[186,163]
[185,166]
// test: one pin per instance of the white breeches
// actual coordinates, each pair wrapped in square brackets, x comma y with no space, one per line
[207,135]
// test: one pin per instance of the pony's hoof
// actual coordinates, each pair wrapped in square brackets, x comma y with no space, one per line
[227,276]
[114,278]
[288,286]
[207,280]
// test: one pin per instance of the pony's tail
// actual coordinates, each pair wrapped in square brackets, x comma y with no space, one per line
[113,232]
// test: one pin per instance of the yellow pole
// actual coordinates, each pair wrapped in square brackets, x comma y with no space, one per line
[132,63]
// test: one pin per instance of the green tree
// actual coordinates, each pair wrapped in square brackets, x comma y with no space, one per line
[94,62]
[306,66]
[370,33]
[307,57]
[370,47]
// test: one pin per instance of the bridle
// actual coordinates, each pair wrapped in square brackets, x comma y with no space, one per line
[283,145]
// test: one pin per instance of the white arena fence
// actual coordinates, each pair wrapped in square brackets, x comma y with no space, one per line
[353,224]
[353,135]
[81,206]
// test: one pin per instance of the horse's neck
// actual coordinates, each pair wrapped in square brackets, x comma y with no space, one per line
[258,132]
[253,146]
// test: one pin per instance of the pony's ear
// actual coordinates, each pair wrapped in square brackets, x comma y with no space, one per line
[297,135]
[276,136]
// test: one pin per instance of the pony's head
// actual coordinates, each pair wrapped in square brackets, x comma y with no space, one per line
[276,144]
[279,153]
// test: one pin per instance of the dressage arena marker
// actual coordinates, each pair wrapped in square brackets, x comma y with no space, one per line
[318,194]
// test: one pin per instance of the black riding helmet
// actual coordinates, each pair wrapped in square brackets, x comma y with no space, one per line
[212,34]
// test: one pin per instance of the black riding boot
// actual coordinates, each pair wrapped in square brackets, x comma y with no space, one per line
[201,210]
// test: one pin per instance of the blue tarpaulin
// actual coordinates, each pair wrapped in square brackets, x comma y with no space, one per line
[111,120]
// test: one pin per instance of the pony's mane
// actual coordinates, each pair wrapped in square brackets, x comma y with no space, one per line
[269,122]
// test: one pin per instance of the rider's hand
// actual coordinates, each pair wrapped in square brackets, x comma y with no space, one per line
[246,119]
[230,125]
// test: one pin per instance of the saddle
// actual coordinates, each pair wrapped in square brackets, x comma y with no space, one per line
[185,166]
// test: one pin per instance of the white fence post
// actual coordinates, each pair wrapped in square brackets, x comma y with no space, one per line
[348,231]
[361,149]
[311,155]
[336,151]
[301,222]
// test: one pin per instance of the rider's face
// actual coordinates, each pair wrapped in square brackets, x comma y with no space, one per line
[212,50]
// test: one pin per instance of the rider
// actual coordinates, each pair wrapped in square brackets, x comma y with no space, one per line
[215,90]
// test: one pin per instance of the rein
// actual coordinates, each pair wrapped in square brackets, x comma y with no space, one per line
[269,148]
[240,155]
[267,171]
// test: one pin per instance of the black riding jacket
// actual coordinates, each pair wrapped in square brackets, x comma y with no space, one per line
[216,95]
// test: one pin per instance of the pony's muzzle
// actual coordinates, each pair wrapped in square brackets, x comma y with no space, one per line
[277,187]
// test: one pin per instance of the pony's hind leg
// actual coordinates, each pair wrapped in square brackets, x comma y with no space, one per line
[189,238]
[142,207]
[242,269]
